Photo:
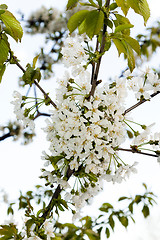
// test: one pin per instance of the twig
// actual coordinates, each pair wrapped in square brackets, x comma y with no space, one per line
[136,151]
[139,103]
[7,135]
[41,114]
[54,196]
[35,82]
[96,70]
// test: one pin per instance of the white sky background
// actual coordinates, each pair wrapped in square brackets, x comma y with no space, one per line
[20,165]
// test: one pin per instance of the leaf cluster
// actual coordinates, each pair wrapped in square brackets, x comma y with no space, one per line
[10,26]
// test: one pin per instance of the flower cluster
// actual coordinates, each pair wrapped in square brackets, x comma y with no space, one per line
[143,83]
[85,131]
[21,115]
[47,231]
[51,20]
[46,20]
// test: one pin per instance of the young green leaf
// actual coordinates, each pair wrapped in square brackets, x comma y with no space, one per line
[35,61]
[91,234]
[113,6]
[99,2]
[93,3]
[130,57]
[93,23]
[141,7]
[120,46]
[107,232]
[4,50]
[145,211]
[124,221]
[2,70]
[121,20]
[76,20]
[2,11]
[111,222]
[3,6]
[13,27]
[123,27]
[123,5]
[133,43]
[71,4]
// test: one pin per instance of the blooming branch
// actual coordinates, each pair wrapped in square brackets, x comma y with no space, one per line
[36,83]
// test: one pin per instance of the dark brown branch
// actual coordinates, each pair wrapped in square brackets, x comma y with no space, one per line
[7,135]
[54,196]
[136,151]
[45,94]
[41,114]
[96,70]
[139,103]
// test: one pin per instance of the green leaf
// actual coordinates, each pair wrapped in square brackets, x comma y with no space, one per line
[122,198]
[76,19]
[31,74]
[145,211]
[13,27]
[107,45]
[105,207]
[2,70]
[88,221]
[61,208]
[122,27]
[123,5]
[4,50]
[111,222]
[92,235]
[3,6]
[124,221]
[120,46]
[93,3]
[121,20]
[2,11]
[133,43]
[99,2]
[144,185]
[137,199]
[131,207]
[141,7]
[93,23]
[109,23]
[35,61]
[113,6]
[70,225]
[107,232]
[71,4]
[130,58]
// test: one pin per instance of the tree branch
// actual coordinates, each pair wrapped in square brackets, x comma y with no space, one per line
[136,151]
[96,69]
[7,135]
[36,83]
[54,196]
[139,103]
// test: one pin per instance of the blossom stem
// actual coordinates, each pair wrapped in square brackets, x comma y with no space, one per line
[129,126]
[133,122]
